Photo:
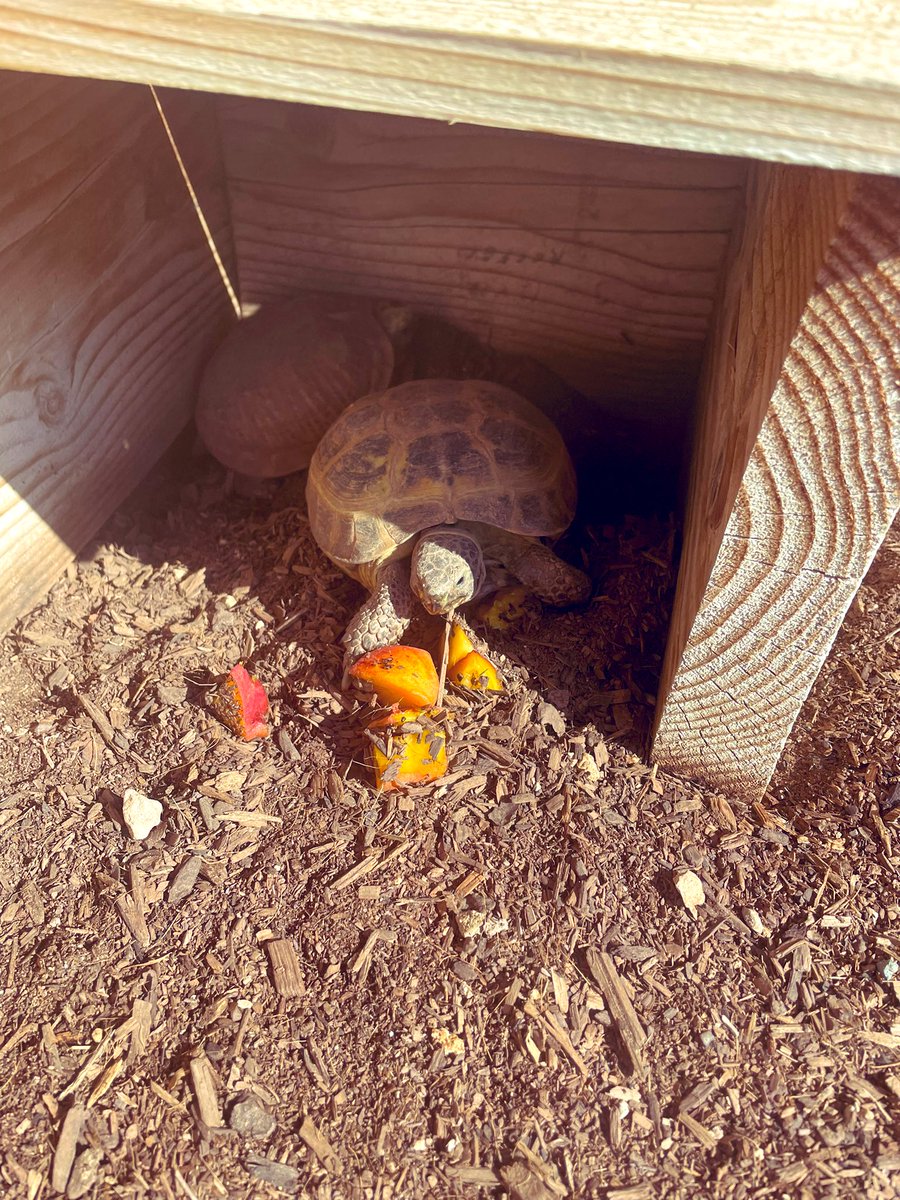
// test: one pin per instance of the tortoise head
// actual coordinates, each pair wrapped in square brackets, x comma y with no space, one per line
[447,570]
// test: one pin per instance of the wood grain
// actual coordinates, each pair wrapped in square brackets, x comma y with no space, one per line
[600,260]
[778,246]
[820,489]
[790,80]
[112,304]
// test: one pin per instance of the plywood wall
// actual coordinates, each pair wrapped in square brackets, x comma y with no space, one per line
[601,260]
[109,303]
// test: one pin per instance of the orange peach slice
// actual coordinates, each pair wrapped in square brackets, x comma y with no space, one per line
[403,675]
[407,748]
[460,645]
[476,673]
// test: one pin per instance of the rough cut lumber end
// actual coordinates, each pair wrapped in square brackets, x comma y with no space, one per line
[819,492]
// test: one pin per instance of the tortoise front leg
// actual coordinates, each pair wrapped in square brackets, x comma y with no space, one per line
[383,619]
[535,565]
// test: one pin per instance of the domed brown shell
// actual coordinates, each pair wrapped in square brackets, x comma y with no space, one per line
[433,452]
[280,377]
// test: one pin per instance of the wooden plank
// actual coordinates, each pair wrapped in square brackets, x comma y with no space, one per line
[790,80]
[111,303]
[600,260]
[758,609]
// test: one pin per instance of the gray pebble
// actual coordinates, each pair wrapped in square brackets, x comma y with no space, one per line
[249,1118]
[462,970]
[84,1173]
[184,879]
[278,1174]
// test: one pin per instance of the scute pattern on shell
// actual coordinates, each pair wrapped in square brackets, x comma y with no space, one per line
[432,452]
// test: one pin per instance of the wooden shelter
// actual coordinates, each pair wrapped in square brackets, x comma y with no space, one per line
[691,210]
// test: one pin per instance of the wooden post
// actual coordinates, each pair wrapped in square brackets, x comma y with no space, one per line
[796,469]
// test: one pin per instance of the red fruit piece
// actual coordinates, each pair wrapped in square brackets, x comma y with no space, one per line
[240,702]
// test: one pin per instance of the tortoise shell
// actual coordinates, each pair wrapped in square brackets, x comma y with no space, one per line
[281,376]
[434,452]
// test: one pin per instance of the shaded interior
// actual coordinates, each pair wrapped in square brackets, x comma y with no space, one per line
[582,272]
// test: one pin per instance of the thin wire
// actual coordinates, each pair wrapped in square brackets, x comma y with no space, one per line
[204,225]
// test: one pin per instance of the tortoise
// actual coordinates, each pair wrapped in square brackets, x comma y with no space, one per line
[282,375]
[439,490]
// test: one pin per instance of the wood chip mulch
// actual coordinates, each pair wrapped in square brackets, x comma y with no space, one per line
[556,972]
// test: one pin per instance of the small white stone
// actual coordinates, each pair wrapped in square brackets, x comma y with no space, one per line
[690,888]
[140,813]
[755,921]
[551,717]
[587,766]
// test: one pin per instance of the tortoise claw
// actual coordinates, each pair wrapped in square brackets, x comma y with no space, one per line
[350,683]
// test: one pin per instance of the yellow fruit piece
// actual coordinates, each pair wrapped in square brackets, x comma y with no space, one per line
[403,675]
[409,749]
[460,645]
[476,673]
[507,607]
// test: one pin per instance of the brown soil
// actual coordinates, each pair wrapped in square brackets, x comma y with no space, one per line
[498,989]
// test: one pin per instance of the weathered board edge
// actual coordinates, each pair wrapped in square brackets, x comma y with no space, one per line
[676,80]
